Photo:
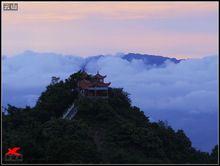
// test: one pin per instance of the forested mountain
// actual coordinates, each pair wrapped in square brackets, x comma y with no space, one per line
[106,131]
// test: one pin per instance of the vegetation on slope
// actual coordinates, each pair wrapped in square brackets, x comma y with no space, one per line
[103,131]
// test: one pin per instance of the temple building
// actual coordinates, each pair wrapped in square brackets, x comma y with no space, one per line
[94,86]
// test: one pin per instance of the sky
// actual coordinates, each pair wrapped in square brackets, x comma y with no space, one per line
[173,29]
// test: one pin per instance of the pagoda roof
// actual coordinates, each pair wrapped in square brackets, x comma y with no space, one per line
[85,84]
[92,83]
[101,84]
[99,76]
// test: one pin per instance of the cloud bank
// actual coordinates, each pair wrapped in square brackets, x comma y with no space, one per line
[184,94]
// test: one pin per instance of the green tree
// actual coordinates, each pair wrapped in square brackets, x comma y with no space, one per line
[103,131]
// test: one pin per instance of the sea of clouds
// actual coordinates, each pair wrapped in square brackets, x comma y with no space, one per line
[184,94]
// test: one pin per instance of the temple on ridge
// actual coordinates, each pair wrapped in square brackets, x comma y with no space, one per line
[94,86]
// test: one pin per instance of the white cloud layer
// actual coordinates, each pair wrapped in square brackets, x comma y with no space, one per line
[185,94]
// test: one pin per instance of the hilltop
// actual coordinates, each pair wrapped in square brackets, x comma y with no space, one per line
[103,131]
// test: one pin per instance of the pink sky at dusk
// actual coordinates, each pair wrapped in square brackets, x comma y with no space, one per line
[174,29]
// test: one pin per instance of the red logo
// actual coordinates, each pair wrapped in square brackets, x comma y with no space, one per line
[13,151]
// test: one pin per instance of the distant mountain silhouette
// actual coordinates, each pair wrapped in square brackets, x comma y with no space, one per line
[149,59]
[152,60]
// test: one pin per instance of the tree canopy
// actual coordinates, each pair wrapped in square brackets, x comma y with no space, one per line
[103,131]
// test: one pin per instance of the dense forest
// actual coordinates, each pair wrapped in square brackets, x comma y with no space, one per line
[106,131]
